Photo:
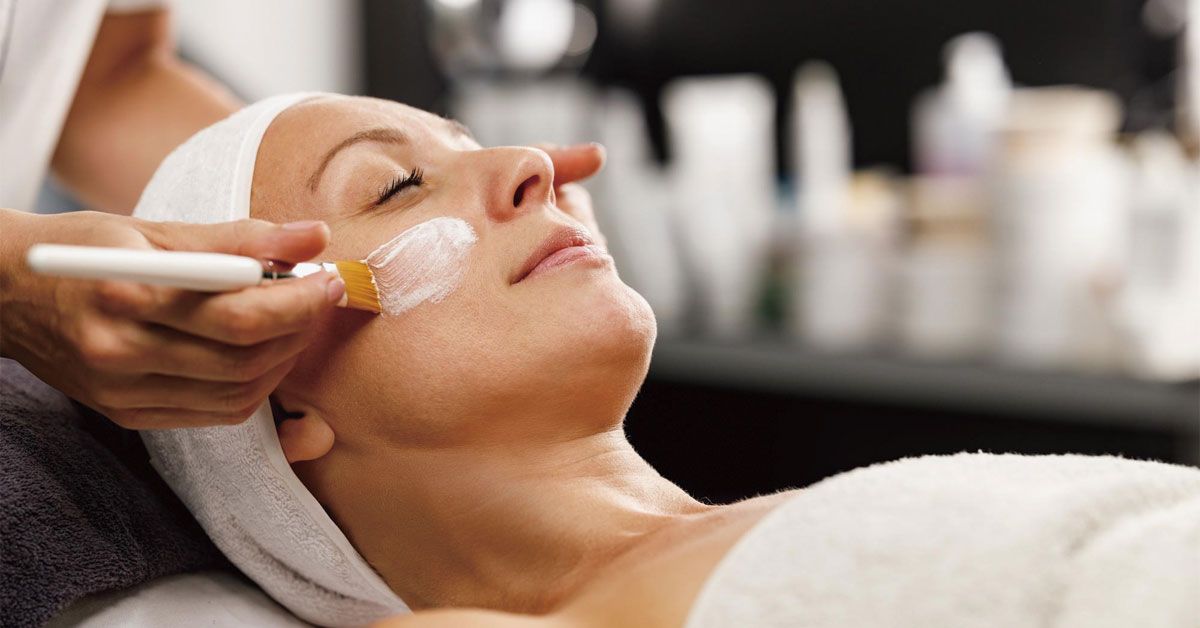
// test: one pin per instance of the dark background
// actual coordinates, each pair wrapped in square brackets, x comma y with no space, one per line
[884,52]
[725,443]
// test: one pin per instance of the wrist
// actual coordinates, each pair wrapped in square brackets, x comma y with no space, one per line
[16,227]
[20,231]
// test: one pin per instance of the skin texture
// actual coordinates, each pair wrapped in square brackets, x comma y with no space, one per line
[472,449]
[472,334]
[148,357]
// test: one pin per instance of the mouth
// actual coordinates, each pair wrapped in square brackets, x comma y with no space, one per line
[564,246]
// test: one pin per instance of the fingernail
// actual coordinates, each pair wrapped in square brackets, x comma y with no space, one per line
[335,290]
[303,225]
[586,145]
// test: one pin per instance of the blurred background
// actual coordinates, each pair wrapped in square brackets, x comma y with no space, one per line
[868,230]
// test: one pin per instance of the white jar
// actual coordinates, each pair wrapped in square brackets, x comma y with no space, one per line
[1059,200]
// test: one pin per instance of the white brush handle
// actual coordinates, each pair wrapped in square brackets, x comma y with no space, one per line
[206,272]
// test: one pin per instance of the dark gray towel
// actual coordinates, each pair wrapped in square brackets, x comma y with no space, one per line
[81,509]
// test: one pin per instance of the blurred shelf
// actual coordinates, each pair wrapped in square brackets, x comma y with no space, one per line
[780,367]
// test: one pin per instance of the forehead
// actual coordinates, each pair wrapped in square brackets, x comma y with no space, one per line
[331,118]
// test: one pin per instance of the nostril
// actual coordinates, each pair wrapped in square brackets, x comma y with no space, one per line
[519,195]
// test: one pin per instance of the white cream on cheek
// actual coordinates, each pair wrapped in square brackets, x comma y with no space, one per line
[424,263]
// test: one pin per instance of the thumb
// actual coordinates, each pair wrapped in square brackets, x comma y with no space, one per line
[290,243]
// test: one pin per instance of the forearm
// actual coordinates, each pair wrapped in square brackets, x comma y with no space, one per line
[137,101]
[18,230]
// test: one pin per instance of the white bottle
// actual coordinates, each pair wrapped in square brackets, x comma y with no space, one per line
[721,132]
[1160,293]
[955,125]
[841,282]
[1059,222]
[821,143]
[945,276]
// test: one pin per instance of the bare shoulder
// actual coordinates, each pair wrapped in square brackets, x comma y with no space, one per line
[473,618]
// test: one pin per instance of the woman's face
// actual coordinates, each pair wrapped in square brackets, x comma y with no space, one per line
[554,353]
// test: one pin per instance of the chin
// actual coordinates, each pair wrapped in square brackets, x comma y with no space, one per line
[601,354]
[612,321]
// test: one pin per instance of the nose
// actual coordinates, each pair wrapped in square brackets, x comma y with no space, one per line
[525,182]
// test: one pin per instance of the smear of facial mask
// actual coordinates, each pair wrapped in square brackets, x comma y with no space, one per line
[424,263]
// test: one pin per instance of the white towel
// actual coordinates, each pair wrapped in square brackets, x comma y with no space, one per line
[235,479]
[970,541]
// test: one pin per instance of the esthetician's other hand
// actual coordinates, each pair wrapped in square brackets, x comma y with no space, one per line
[154,357]
[573,164]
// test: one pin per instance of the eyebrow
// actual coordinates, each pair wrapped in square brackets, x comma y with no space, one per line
[460,129]
[386,135]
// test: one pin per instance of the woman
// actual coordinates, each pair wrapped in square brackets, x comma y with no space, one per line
[471,449]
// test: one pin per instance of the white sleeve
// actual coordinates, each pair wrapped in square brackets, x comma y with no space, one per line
[135,6]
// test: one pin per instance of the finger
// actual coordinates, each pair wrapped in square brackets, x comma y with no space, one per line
[166,351]
[124,347]
[574,163]
[167,391]
[252,315]
[292,242]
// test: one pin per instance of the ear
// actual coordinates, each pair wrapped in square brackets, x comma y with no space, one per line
[303,435]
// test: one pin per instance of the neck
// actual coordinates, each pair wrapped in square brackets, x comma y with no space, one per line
[517,528]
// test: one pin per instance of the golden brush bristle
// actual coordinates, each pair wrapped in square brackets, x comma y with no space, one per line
[361,293]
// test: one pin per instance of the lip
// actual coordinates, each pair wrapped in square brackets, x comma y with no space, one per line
[564,246]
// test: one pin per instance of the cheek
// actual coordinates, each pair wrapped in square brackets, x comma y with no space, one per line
[398,378]
[487,346]
[425,360]
[484,348]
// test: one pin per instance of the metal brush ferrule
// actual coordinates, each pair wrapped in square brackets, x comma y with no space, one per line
[302,269]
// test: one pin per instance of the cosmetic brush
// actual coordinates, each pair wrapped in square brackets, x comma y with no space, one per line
[205,272]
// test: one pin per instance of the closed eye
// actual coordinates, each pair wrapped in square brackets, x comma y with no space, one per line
[399,184]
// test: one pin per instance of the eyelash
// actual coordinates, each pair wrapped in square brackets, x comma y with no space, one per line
[399,184]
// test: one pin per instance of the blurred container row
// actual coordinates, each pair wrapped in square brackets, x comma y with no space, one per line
[1032,233]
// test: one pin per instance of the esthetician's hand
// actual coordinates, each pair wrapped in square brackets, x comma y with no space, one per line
[573,164]
[153,357]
